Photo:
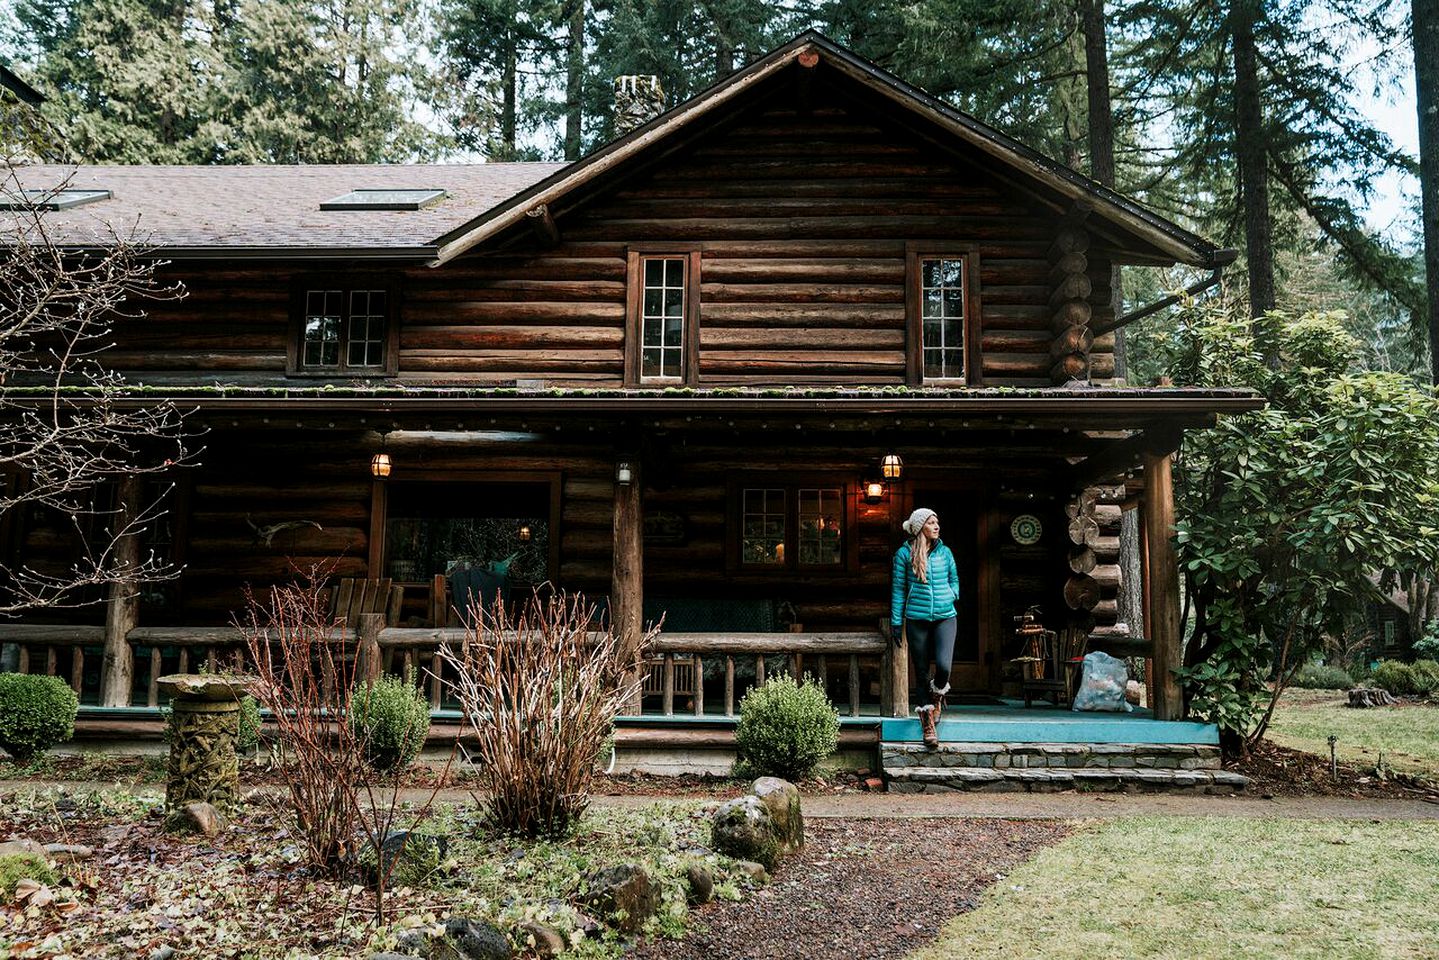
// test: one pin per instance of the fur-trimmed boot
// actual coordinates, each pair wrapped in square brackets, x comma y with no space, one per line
[938,697]
[929,731]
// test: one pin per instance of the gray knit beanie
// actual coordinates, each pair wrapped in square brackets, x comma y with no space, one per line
[917,520]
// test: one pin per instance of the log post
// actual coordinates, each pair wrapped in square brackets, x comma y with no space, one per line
[368,643]
[1162,571]
[122,605]
[627,575]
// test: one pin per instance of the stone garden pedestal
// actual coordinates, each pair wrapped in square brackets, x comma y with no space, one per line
[206,721]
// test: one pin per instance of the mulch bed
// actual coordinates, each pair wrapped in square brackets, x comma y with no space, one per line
[862,890]
[1284,772]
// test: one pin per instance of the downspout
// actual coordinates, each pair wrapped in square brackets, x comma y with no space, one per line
[1218,261]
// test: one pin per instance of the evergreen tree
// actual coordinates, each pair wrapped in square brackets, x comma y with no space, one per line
[1426,85]
[494,49]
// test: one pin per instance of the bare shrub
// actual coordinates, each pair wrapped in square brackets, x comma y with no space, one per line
[540,691]
[343,806]
[304,680]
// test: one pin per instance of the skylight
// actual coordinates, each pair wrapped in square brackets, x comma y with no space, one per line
[384,200]
[33,199]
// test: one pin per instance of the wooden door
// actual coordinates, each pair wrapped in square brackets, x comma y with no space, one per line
[964,519]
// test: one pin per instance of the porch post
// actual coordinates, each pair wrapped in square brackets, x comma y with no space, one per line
[1162,570]
[627,576]
[122,605]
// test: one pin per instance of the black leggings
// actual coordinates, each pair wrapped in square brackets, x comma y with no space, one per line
[932,641]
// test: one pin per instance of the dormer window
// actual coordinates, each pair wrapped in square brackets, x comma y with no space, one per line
[384,199]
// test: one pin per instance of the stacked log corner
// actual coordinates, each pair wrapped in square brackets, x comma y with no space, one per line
[1070,288]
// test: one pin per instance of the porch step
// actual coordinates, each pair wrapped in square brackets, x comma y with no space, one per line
[1054,779]
[896,755]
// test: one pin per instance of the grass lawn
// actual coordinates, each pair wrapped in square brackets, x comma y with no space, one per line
[1407,735]
[1200,888]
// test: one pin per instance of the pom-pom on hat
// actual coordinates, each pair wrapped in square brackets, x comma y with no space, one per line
[917,520]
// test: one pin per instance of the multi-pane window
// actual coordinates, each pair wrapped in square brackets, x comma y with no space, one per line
[820,531]
[344,330]
[662,318]
[942,316]
[762,521]
[793,526]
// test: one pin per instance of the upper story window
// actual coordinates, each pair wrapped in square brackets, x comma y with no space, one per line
[940,320]
[662,339]
[344,329]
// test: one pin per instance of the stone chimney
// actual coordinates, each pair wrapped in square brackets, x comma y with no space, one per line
[638,100]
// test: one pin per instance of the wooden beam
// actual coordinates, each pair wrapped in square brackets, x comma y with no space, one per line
[1163,576]
[122,605]
[543,226]
[1123,455]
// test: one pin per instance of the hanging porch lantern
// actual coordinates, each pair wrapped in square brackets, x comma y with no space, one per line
[525,534]
[380,465]
[891,467]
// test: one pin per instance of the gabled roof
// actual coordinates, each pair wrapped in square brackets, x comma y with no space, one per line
[23,92]
[1064,185]
[274,210]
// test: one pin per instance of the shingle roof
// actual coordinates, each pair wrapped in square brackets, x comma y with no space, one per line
[233,207]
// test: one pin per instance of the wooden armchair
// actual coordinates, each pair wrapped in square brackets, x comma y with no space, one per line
[352,597]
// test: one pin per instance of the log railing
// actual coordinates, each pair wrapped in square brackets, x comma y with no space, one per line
[400,650]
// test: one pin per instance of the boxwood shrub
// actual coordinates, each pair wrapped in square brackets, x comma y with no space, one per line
[785,729]
[392,718]
[36,712]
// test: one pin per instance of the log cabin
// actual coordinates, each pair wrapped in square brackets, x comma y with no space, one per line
[702,374]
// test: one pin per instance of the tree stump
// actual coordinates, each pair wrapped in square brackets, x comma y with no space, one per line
[205,722]
[1362,698]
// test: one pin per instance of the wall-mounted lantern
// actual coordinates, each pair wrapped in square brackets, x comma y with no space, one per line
[892,467]
[873,490]
[624,475]
[524,533]
[380,465]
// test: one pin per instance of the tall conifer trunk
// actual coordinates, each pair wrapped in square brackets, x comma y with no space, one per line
[1426,84]
[1249,146]
[575,61]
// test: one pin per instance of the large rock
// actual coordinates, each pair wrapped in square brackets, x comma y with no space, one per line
[743,828]
[467,939]
[12,848]
[625,895]
[700,880]
[197,817]
[781,798]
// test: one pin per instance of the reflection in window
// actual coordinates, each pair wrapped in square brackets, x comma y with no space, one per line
[820,527]
[942,315]
[662,318]
[344,329]
[367,328]
[762,523]
[436,527]
[322,328]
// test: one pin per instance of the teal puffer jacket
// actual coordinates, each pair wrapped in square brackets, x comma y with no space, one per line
[933,599]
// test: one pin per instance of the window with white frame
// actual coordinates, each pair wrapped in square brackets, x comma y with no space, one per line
[942,316]
[662,318]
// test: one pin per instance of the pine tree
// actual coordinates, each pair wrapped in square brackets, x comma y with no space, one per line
[493,50]
[1426,84]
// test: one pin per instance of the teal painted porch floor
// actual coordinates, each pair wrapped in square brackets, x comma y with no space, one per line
[1012,722]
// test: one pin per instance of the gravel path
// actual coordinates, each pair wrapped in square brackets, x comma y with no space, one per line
[868,889]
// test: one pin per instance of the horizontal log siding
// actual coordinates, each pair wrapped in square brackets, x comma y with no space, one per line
[803,221]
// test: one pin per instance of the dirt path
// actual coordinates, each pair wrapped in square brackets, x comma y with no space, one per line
[1010,806]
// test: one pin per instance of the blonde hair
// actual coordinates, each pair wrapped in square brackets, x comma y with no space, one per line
[919,557]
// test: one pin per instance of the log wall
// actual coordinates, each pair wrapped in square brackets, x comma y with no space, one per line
[803,221]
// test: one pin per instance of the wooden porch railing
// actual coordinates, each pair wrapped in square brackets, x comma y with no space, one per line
[401,649]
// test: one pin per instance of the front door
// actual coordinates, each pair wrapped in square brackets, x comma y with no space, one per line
[962,516]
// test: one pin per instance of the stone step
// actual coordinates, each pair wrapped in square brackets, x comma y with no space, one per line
[1143,756]
[1053,779]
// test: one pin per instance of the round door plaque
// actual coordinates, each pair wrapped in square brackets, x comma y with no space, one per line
[1026,529]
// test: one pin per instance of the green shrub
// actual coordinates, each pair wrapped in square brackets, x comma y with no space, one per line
[35,714]
[392,718]
[1319,676]
[1396,677]
[1427,646]
[15,867]
[1424,677]
[249,734]
[785,729]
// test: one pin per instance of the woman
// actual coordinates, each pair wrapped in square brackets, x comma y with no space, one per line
[923,591]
